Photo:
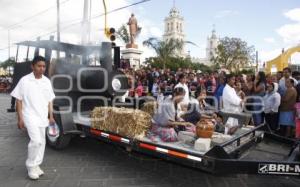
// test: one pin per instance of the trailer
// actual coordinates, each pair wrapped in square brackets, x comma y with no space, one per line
[254,150]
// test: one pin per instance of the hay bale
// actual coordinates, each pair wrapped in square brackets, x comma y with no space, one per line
[150,107]
[123,121]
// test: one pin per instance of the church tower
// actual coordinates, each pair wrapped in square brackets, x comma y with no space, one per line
[212,44]
[174,24]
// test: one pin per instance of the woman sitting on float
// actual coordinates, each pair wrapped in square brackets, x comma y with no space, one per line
[166,122]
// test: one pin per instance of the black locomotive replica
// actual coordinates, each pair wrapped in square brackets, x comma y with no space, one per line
[88,76]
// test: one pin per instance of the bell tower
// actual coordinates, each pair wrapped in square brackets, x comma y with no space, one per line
[212,44]
[174,27]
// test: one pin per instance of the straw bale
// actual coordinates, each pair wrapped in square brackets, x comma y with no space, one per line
[150,107]
[123,121]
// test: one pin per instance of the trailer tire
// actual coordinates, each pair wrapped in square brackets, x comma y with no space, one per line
[63,140]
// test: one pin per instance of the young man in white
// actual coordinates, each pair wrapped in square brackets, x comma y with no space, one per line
[232,103]
[182,84]
[34,96]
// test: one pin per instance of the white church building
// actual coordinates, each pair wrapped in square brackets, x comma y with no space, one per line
[174,28]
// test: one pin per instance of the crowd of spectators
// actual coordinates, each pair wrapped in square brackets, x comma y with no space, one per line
[5,83]
[270,99]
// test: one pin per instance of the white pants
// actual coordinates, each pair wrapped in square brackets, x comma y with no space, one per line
[36,146]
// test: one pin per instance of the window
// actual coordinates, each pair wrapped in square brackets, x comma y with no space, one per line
[42,52]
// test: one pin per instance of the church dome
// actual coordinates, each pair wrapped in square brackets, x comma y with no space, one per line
[174,12]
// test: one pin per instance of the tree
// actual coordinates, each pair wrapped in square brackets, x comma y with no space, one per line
[123,34]
[7,63]
[174,63]
[233,54]
[164,49]
[202,67]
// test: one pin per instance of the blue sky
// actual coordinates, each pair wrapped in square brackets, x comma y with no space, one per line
[255,21]
[269,25]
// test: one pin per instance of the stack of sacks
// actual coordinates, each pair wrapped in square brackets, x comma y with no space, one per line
[123,121]
[150,107]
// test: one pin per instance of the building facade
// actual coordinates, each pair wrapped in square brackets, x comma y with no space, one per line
[211,50]
[174,28]
[211,46]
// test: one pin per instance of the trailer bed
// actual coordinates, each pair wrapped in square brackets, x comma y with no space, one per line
[85,120]
[251,151]
[267,150]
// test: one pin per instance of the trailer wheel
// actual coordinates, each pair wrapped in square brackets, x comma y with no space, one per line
[61,142]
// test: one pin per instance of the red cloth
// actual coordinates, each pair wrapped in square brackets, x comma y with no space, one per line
[297,120]
[139,91]
[297,128]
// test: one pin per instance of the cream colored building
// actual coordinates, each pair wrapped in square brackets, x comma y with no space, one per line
[174,28]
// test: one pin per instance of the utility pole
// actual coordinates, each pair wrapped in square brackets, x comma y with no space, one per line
[256,60]
[8,39]
[58,25]
[85,32]
[90,24]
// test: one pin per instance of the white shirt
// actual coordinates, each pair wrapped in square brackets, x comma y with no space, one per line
[231,103]
[35,95]
[272,102]
[186,98]
[282,87]
[155,89]
[166,112]
[160,98]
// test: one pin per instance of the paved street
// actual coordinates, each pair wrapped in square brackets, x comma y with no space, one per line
[90,163]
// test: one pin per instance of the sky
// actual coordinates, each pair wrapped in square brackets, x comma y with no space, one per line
[268,25]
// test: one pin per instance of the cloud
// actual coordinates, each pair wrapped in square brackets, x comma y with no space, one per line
[293,14]
[226,13]
[269,40]
[290,33]
[265,55]
[156,32]
[71,15]
[295,58]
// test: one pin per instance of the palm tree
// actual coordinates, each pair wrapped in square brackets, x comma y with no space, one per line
[165,49]
[123,34]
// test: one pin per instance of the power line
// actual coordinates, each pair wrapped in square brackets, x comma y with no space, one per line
[3,48]
[78,21]
[32,17]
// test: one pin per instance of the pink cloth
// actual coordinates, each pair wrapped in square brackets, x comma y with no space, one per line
[166,134]
[139,90]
